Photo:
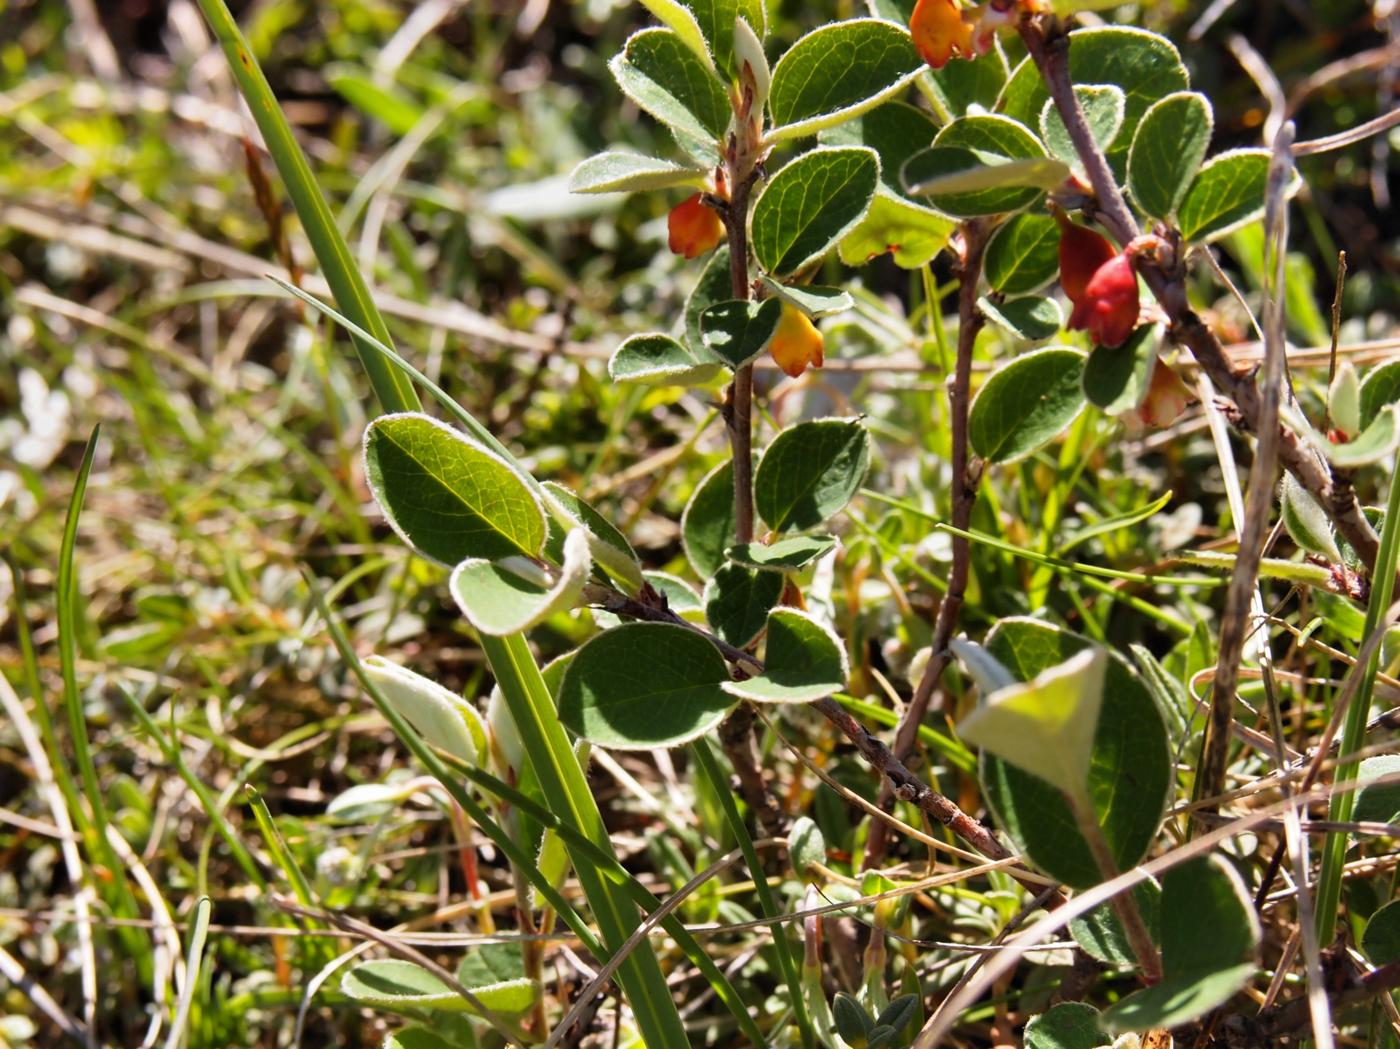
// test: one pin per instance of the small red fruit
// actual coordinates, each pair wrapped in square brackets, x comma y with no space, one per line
[1082,252]
[1108,309]
[694,228]
[797,344]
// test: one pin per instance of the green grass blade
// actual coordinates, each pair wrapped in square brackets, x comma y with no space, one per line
[194,956]
[1334,848]
[301,888]
[709,768]
[347,283]
[566,790]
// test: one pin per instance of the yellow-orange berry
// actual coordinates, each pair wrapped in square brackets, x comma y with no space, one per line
[694,229]
[797,344]
[940,32]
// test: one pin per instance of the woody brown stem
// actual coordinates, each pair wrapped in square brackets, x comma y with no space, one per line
[964,495]
[1047,42]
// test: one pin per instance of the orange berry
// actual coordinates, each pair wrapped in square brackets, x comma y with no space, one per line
[797,344]
[939,31]
[694,228]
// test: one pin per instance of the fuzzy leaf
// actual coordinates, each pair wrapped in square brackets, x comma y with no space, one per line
[616,172]
[911,232]
[1167,151]
[738,600]
[1227,193]
[987,147]
[1306,520]
[1102,105]
[1069,1025]
[707,525]
[803,662]
[1116,379]
[811,204]
[783,555]
[1030,317]
[738,331]
[657,70]
[507,596]
[644,685]
[1026,403]
[838,71]
[441,717]
[1023,254]
[654,359]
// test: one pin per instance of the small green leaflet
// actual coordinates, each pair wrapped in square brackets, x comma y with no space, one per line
[837,72]
[716,21]
[659,72]
[810,472]
[783,555]
[654,359]
[1026,404]
[983,165]
[1069,1025]
[707,525]
[1102,936]
[811,204]
[616,172]
[1030,317]
[1023,255]
[1380,388]
[609,548]
[1167,151]
[738,600]
[507,596]
[803,662]
[738,331]
[448,496]
[680,19]
[1116,379]
[1102,105]
[1227,193]
[1381,940]
[1306,521]
[1209,933]
[894,130]
[912,233]
[390,983]
[644,685]
[815,301]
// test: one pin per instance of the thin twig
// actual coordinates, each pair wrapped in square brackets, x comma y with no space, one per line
[964,495]
[1210,777]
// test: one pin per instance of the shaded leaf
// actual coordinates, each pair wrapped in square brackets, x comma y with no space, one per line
[715,285]
[1031,317]
[1116,379]
[1102,105]
[609,548]
[1069,1025]
[1378,802]
[803,661]
[644,685]
[391,983]
[1100,932]
[783,555]
[654,359]
[1381,940]
[707,525]
[894,130]
[814,301]
[1379,389]
[738,331]
[1023,254]
[988,148]
[738,600]
[1026,403]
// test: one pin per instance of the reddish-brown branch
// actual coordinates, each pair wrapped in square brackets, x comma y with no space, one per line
[964,495]
[1047,41]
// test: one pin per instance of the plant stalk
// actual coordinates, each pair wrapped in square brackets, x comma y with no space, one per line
[1124,905]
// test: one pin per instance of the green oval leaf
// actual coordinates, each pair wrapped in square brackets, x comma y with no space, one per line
[1167,151]
[838,71]
[810,204]
[784,555]
[987,148]
[813,300]
[391,983]
[1145,65]
[1381,940]
[679,17]
[1025,404]
[1100,932]
[803,662]
[894,130]
[1306,521]
[609,548]
[1227,193]
[806,845]
[738,331]
[505,597]
[1378,802]
[715,20]
[1102,105]
[1379,389]
[810,472]
[912,233]
[707,525]
[1030,317]
[441,717]
[659,72]
[447,496]
[715,285]
[654,359]
[1069,1025]
[1023,255]
[1208,929]
[738,600]
[1116,379]
[644,685]
[1130,775]
[616,172]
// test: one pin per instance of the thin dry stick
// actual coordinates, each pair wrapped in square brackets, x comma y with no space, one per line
[964,495]
[1047,42]
[1215,750]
